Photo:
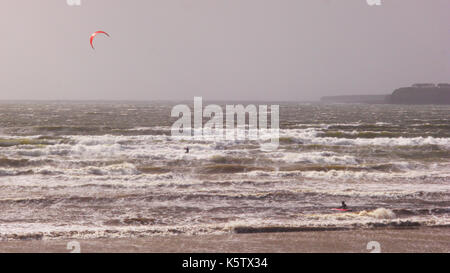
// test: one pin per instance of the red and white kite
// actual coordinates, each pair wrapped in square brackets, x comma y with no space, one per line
[95,34]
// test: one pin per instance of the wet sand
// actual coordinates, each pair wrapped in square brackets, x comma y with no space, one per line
[422,240]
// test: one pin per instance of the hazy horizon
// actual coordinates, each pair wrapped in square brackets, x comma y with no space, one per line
[222,50]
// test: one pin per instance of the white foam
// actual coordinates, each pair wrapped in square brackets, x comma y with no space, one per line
[380,213]
[324,157]
[311,136]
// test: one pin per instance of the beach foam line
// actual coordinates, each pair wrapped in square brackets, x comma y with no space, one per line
[244,230]
[371,225]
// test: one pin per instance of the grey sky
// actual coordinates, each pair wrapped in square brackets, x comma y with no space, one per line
[220,49]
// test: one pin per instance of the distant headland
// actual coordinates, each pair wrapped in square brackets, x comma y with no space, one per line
[419,93]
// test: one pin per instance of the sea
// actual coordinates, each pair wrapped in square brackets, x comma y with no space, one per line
[99,169]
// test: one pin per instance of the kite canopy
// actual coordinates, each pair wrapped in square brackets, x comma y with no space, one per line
[95,34]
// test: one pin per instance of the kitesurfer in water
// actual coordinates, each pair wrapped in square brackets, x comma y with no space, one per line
[187,150]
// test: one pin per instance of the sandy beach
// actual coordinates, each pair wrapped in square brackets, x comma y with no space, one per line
[422,240]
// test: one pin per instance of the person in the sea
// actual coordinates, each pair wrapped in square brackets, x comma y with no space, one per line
[343,206]
[187,149]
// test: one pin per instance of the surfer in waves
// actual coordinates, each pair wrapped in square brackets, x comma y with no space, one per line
[187,150]
[342,208]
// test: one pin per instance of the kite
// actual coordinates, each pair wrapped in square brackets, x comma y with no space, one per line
[95,34]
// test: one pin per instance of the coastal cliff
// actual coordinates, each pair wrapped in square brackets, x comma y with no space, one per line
[421,95]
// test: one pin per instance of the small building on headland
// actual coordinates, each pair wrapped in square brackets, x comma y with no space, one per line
[424,85]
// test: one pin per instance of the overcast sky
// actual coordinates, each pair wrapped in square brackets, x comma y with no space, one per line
[220,49]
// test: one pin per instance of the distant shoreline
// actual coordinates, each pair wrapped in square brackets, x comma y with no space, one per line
[155,101]
[371,99]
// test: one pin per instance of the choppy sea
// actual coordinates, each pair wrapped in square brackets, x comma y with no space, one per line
[112,169]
